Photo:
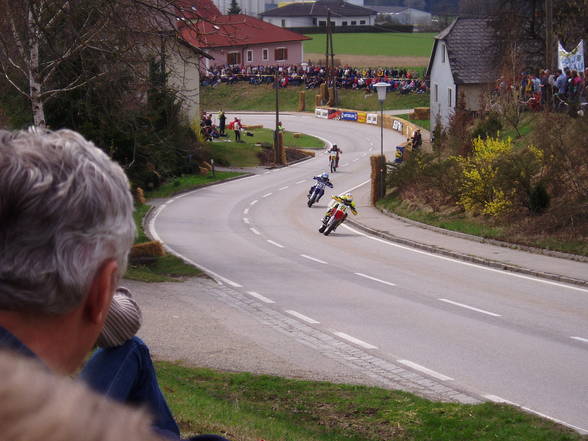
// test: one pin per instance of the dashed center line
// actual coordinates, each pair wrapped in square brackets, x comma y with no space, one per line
[357,341]
[254,231]
[267,195]
[314,259]
[282,188]
[302,317]
[345,165]
[253,202]
[375,280]
[275,243]
[461,305]
[267,172]
[425,370]
[300,182]
[246,211]
[585,340]
[260,297]
[246,220]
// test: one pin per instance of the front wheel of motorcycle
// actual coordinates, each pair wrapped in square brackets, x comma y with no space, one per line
[322,228]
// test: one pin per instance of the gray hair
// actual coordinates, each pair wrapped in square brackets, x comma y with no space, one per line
[65,207]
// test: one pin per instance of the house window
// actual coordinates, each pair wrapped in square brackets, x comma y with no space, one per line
[314,21]
[353,22]
[249,55]
[436,92]
[322,23]
[344,23]
[449,94]
[234,58]
[265,54]
[283,22]
[442,53]
[281,54]
[361,22]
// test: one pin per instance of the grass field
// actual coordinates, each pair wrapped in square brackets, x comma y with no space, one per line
[246,407]
[388,44]
[242,96]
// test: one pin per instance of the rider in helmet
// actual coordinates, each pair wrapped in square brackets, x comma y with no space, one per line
[323,179]
[346,199]
[337,151]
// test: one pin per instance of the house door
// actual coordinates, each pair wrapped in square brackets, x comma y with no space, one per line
[233,58]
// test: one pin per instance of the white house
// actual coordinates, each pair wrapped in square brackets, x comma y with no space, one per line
[312,14]
[402,15]
[462,67]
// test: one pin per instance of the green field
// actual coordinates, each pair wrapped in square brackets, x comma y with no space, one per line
[389,44]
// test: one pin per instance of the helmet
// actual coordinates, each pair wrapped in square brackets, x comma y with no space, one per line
[348,197]
[325,175]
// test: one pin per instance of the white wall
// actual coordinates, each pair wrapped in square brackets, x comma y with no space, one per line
[297,22]
[443,88]
[184,76]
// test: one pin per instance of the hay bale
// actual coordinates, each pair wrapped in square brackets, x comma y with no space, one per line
[317,100]
[147,249]
[301,101]
[421,113]
[296,135]
[140,196]
[252,126]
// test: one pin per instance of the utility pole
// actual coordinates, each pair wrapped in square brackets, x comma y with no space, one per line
[549,35]
[276,131]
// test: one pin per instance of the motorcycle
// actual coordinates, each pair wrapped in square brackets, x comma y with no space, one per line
[336,219]
[333,162]
[316,193]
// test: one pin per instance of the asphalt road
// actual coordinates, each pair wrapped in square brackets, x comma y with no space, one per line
[482,330]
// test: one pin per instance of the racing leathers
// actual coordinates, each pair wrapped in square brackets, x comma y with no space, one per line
[335,203]
[321,182]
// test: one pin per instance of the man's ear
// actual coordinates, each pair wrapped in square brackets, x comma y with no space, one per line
[101,291]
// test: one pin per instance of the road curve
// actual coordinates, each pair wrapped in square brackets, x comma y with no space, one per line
[483,330]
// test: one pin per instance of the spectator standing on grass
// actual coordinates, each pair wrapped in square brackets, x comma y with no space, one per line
[561,83]
[237,129]
[66,228]
[222,119]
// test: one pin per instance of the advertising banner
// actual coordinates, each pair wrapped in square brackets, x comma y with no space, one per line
[397,125]
[361,117]
[372,118]
[349,116]
[574,59]
[334,114]
[321,113]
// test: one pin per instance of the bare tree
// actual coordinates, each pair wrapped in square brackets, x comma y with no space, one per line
[416,4]
[39,39]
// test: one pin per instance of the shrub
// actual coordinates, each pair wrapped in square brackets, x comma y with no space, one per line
[487,127]
[539,199]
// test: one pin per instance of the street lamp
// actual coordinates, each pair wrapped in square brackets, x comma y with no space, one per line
[382,88]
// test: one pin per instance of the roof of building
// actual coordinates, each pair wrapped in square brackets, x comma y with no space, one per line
[237,30]
[196,9]
[320,8]
[471,48]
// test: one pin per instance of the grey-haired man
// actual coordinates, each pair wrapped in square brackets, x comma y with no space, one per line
[66,227]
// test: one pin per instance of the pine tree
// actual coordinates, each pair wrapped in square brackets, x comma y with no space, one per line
[235,8]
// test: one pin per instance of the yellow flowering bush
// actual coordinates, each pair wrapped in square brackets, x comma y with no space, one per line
[481,189]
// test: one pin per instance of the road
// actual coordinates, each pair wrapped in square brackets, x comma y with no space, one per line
[492,333]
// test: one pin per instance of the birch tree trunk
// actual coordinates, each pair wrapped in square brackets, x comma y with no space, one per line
[35,85]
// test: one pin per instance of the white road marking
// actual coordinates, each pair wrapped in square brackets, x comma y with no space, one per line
[246,211]
[267,172]
[585,340]
[302,181]
[356,159]
[253,202]
[246,220]
[376,280]
[282,188]
[314,259]
[357,341]
[275,243]
[254,231]
[497,399]
[260,297]
[345,165]
[302,317]
[461,262]
[277,169]
[267,195]
[461,305]
[425,370]
[356,187]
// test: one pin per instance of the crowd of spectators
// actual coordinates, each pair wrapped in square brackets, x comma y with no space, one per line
[557,90]
[311,77]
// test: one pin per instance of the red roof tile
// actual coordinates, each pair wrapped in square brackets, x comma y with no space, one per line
[237,30]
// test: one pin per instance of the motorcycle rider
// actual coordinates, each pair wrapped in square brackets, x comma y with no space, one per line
[346,199]
[321,179]
[337,151]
